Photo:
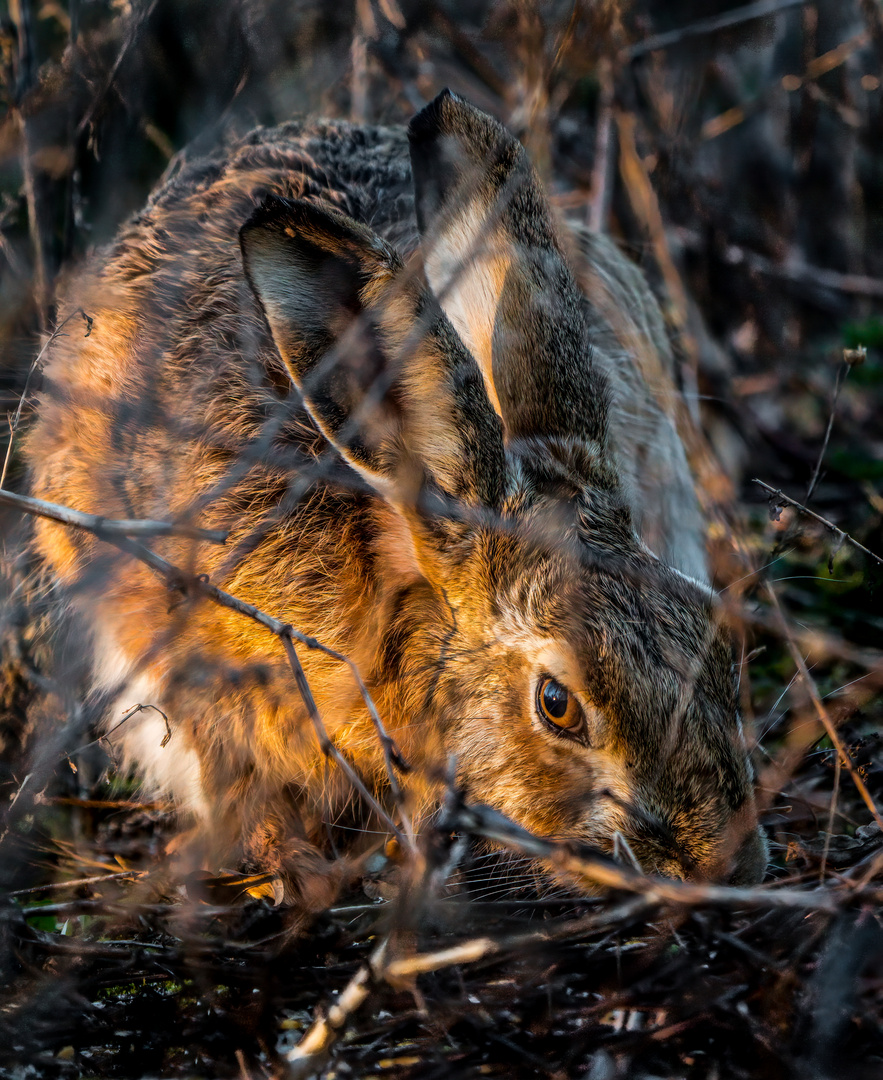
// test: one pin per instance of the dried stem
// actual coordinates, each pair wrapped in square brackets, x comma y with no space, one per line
[842,372]
[38,360]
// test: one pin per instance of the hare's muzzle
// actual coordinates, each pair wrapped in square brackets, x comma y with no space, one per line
[734,853]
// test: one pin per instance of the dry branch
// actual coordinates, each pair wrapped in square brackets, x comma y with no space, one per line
[597,870]
[779,498]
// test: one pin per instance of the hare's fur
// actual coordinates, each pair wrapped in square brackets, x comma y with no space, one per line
[465,482]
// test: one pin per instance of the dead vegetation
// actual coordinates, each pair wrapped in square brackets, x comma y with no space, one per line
[735,152]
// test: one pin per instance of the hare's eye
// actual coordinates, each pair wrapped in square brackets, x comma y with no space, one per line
[557,706]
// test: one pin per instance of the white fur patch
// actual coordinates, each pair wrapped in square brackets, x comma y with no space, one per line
[466,267]
[170,769]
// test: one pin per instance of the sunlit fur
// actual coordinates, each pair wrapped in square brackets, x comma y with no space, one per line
[460,526]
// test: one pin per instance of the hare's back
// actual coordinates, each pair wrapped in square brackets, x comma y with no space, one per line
[179,378]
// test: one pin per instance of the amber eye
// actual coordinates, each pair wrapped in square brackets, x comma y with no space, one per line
[557,706]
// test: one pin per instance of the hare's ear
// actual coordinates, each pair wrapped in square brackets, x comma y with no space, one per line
[378,366]
[493,261]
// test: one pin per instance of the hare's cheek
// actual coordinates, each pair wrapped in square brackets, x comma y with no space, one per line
[576,793]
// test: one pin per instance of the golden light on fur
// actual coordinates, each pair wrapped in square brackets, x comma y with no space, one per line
[467,481]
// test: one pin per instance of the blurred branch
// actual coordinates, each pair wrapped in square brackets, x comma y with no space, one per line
[873,13]
[22,16]
[815,69]
[711,25]
[138,18]
[810,276]
[602,169]
[646,206]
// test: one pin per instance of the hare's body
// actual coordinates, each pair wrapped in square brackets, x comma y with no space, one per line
[461,524]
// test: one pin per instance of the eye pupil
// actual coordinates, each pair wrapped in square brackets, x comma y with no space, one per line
[555,699]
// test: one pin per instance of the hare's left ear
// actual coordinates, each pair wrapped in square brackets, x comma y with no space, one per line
[493,261]
[377,364]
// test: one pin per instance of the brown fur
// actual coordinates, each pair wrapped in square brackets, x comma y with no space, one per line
[459,526]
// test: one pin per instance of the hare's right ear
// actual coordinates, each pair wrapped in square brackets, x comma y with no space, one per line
[378,366]
[493,260]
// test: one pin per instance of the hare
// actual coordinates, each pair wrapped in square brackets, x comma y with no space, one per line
[363,352]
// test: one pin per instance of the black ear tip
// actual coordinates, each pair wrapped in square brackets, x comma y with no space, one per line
[433,117]
[270,212]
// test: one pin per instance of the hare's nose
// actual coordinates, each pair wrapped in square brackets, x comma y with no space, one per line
[750,863]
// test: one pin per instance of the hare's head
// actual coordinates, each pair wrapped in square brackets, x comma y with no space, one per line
[584,687]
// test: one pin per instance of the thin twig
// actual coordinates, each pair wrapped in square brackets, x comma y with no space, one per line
[38,360]
[779,498]
[77,883]
[325,743]
[842,372]
[135,709]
